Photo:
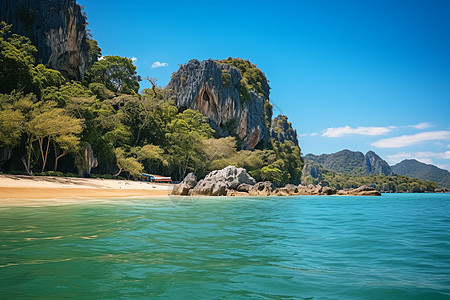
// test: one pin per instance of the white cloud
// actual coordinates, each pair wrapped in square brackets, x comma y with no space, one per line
[347,130]
[134,58]
[303,134]
[158,64]
[425,160]
[428,154]
[314,134]
[395,158]
[421,125]
[445,167]
[408,140]
[425,157]
[101,58]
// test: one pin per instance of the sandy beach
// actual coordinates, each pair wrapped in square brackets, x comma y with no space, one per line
[18,189]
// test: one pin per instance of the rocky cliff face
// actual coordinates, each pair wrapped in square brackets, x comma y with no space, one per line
[282,130]
[375,165]
[56,27]
[214,89]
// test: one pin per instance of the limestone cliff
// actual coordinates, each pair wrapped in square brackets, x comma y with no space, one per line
[216,90]
[281,130]
[56,27]
[375,165]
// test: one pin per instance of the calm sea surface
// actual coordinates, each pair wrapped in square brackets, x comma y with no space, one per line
[392,247]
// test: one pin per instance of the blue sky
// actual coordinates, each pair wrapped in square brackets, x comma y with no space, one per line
[358,75]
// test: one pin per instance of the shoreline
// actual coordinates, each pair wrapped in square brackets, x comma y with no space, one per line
[20,189]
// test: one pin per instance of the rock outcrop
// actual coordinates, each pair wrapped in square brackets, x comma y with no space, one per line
[214,89]
[361,191]
[219,182]
[232,181]
[375,165]
[216,183]
[265,188]
[183,188]
[282,130]
[56,27]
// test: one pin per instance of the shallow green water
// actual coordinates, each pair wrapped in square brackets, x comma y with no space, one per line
[392,247]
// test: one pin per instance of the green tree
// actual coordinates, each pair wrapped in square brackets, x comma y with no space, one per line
[11,122]
[117,73]
[44,77]
[16,61]
[185,135]
[127,162]
[272,174]
[94,51]
[54,124]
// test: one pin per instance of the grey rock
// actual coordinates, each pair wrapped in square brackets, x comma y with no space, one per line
[218,182]
[288,190]
[243,187]
[326,190]
[310,189]
[361,191]
[232,176]
[183,188]
[190,180]
[198,85]
[209,188]
[265,188]
[56,27]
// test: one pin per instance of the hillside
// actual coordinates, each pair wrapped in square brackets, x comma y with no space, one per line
[316,174]
[351,163]
[416,169]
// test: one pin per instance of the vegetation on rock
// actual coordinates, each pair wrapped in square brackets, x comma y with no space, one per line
[252,78]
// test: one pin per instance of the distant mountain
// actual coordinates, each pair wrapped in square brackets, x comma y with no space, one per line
[351,162]
[416,169]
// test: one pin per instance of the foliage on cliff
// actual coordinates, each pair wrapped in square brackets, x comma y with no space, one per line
[252,78]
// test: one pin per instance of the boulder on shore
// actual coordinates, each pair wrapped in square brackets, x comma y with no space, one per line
[265,188]
[361,191]
[220,182]
[183,188]
[288,190]
[209,188]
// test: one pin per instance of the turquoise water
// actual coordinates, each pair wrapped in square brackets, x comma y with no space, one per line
[392,247]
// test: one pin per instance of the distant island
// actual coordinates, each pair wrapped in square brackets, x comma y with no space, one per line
[66,110]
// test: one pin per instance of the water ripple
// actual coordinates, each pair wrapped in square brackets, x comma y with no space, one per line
[389,247]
